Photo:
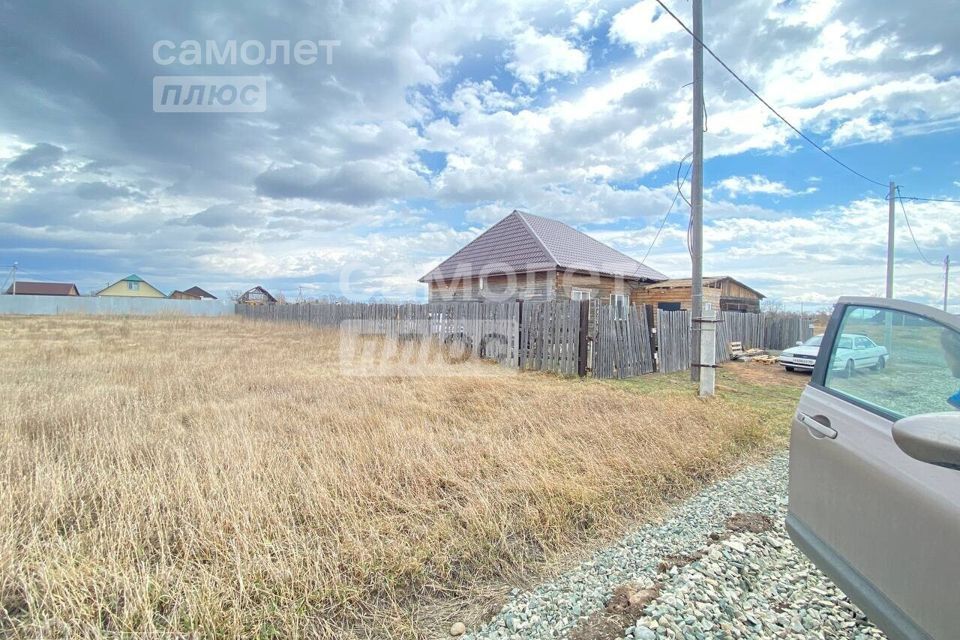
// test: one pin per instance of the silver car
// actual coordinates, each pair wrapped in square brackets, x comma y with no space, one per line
[875,467]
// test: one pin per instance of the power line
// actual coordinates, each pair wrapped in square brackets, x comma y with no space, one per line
[916,199]
[672,205]
[765,103]
[910,229]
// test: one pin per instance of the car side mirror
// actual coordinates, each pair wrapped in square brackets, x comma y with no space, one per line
[931,437]
[799,343]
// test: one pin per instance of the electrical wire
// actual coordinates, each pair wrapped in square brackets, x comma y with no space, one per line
[910,229]
[672,205]
[916,199]
[764,102]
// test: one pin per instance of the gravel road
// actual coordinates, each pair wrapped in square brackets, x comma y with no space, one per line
[719,565]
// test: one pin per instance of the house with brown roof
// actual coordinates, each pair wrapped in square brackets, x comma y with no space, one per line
[256,295]
[24,288]
[200,293]
[182,295]
[529,257]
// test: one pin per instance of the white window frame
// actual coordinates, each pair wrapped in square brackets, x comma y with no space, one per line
[580,294]
[618,305]
[133,285]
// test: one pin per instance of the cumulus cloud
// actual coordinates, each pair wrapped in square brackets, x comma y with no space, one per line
[643,26]
[861,129]
[757,184]
[542,56]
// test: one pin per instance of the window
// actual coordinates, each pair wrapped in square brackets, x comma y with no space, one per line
[618,305]
[668,306]
[580,294]
[133,285]
[896,363]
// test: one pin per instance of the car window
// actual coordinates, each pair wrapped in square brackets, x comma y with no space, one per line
[911,365]
[813,342]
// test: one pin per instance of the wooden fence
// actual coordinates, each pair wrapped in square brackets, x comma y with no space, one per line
[622,343]
[673,336]
[487,330]
[673,340]
[784,330]
[550,337]
[565,337]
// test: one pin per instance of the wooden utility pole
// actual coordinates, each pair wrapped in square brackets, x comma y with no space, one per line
[946,279]
[696,192]
[891,212]
[891,225]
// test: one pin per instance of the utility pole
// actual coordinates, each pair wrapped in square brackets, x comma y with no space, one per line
[891,212]
[946,279]
[696,192]
[13,289]
[891,225]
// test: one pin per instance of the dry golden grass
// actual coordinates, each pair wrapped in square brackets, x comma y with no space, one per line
[222,477]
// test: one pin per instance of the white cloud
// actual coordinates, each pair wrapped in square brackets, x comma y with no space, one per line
[539,56]
[643,26]
[736,185]
[861,129]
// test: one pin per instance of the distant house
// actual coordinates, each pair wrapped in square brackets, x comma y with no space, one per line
[722,292]
[43,289]
[183,295]
[529,257]
[133,286]
[200,293]
[256,295]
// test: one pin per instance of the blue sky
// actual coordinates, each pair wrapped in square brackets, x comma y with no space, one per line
[434,120]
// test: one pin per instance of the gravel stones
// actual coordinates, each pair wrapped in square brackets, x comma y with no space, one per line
[747,581]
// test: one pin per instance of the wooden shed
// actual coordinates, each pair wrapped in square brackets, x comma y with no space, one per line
[724,293]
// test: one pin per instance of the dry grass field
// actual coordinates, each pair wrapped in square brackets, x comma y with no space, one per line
[222,477]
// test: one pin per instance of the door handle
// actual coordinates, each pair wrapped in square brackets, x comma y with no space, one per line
[819,427]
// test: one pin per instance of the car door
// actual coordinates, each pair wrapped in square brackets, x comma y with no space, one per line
[863,355]
[884,525]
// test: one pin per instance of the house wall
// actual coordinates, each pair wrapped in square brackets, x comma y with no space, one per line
[600,287]
[681,295]
[122,290]
[732,289]
[540,285]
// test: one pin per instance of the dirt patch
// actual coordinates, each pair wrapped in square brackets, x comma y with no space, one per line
[767,374]
[629,600]
[678,560]
[621,611]
[751,522]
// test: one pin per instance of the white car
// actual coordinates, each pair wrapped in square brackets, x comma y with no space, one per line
[853,351]
[803,356]
[857,351]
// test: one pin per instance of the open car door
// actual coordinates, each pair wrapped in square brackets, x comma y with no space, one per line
[875,467]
